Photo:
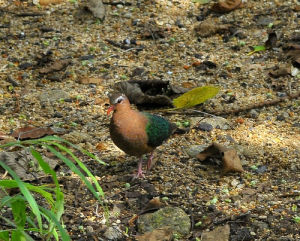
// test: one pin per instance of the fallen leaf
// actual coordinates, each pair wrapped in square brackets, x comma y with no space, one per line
[272,40]
[208,28]
[230,158]
[47,2]
[161,234]
[257,48]
[136,96]
[31,132]
[101,146]
[195,96]
[226,6]
[90,80]
[153,205]
[25,165]
[55,66]
[279,71]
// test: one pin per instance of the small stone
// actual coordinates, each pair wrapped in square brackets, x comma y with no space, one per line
[89,229]
[261,169]
[113,233]
[173,217]
[281,94]
[120,6]
[297,124]
[57,115]
[253,114]
[220,233]
[280,118]
[128,15]
[203,126]
[194,150]
[234,182]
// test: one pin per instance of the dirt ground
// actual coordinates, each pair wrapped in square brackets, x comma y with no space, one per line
[58,64]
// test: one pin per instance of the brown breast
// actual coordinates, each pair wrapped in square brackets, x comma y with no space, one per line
[128,132]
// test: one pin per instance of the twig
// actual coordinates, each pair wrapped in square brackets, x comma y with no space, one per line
[258,105]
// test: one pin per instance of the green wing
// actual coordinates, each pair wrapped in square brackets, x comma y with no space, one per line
[158,129]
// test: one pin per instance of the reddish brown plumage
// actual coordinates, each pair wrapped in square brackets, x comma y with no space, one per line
[127,130]
[136,133]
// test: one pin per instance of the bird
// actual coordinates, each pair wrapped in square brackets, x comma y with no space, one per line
[136,133]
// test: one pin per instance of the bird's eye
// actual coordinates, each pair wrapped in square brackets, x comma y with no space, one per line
[119,99]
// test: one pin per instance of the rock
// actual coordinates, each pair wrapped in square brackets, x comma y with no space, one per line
[51,96]
[172,217]
[234,182]
[97,8]
[215,122]
[218,234]
[253,114]
[194,150]
[113,233]
[203,126]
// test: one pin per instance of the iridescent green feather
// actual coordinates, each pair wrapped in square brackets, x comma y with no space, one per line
[158,129]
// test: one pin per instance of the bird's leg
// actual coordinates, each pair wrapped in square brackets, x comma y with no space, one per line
[149,161]
[140,171]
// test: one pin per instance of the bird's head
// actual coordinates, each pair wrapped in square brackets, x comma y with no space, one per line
[117,101]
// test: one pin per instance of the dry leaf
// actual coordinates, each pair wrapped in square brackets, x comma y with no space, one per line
[55,66]
[31,132]
[152,205]
[280,71]
[226,6]
[101,146]
[208,28]
[47,2]
[90,80]
[162,234]
[230,158]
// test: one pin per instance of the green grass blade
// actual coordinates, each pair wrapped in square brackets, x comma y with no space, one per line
[45,166]
[82,166]
[18,206]
[58,139]
[37,189]
[4,235]
[51,216]
[26,193]
[73,168]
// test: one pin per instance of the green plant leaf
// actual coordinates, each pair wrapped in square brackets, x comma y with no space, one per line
[72,166]
[195,96]
[257,48]
[4,235]
[18,206]
[83,167]
[51,215]
[24,190]
[38,189]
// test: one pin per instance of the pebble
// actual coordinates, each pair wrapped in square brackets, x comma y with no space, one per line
[234,182]
[203,126]
[113,233]
[90,229]
[120,6]
[253,114]
[128,15]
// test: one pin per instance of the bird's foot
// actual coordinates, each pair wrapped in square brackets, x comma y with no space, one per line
[149,162]
[140,171]
[139,175]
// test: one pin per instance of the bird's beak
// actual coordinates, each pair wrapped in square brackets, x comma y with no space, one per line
[110,109]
